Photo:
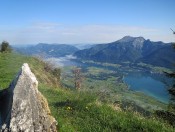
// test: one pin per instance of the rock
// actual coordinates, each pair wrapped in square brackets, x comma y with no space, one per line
[26,109]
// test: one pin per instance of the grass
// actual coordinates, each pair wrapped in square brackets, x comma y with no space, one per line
[9,67]
[79,111]
[10,64]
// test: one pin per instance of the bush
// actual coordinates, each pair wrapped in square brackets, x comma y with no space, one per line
[57,73]
[5,47]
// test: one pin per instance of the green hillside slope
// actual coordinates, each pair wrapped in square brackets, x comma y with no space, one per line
[76,110]
[10,64]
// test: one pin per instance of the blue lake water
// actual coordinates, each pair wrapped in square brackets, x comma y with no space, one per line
[137,81]
[148,85]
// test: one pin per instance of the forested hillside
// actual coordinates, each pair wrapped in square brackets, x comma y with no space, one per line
[131,49]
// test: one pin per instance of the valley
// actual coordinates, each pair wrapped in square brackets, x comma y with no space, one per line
[129,70]
[108,81]
[118,91]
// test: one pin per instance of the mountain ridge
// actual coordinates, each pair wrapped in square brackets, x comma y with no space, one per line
[132,49]
[48,50]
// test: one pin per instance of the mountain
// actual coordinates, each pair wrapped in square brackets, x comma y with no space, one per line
[48,50]
[131,49]
[84,46]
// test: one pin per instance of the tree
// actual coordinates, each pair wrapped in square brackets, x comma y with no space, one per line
[57,73]
[77,77]
[5,47]
[169,115]
[171,92]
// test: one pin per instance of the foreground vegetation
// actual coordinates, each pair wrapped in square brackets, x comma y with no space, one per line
[77,110]
[10,64]
[80,111]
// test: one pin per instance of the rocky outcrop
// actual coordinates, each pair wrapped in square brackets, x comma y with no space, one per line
[23,106]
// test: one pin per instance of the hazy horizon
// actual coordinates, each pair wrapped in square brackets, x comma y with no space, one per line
[90,21]
[75,44]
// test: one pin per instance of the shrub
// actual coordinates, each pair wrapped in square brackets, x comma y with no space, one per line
[5,47]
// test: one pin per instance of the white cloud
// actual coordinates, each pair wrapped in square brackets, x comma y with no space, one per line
[59,33]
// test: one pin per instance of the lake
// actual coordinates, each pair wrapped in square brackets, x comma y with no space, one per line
[147,84]
[151,85]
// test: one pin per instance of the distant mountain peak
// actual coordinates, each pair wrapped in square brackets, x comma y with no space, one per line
[137,42]
[126,39]
[129,39]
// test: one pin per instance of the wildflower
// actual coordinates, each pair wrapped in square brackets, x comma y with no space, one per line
[69,108]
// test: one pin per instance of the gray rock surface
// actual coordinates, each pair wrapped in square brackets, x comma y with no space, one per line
[26,109]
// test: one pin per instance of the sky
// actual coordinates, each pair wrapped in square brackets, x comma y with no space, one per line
[85,21]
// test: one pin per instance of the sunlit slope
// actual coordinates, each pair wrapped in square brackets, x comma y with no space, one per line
[77,111]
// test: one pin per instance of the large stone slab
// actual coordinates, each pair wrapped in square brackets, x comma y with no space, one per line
[23,107]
